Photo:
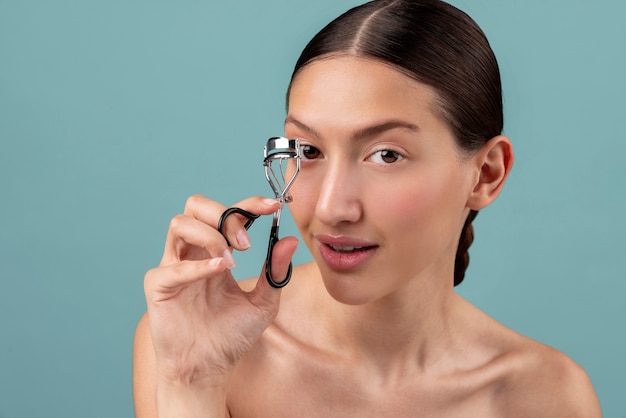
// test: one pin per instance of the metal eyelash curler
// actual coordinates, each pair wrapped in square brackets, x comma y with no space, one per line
[277,150]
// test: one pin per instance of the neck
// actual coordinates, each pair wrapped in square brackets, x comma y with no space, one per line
[411,329]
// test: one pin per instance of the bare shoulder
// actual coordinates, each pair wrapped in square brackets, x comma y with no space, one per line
[542,381]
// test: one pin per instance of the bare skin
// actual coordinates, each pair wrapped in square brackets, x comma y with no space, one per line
[379,333]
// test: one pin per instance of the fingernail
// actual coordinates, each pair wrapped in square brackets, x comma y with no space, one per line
[228,258]
[215,261]
[270,202]
[243,239]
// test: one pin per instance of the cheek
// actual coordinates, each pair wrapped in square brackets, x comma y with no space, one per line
[430,206]
[304,195]
[407,208]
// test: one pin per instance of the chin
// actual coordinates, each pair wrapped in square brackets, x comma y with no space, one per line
[349,288]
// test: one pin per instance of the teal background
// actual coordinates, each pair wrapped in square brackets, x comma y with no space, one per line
[113,112]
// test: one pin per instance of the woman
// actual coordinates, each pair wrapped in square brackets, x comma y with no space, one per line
[398,108]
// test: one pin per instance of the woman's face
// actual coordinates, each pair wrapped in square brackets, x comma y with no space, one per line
[381,196]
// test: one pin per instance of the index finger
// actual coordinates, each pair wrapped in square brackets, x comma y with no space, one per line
[209,212]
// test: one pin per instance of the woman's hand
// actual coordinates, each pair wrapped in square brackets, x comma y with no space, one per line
[201,321]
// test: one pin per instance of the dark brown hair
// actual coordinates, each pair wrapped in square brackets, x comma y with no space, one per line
[435,44]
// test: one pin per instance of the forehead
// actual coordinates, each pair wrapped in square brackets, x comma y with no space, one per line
[357,88]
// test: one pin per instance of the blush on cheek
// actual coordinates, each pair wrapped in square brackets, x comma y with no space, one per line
[418,207]
[405,210]
[403,201]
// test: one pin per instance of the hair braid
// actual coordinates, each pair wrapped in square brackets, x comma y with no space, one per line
[462,254]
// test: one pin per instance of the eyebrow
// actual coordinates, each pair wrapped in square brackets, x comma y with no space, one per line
[365,132]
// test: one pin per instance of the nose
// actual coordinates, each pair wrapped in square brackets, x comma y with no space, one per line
[339,196]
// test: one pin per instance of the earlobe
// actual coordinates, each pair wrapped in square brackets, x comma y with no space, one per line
[493,162]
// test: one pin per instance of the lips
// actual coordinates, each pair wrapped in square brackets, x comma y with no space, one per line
[347,249]
[344,252]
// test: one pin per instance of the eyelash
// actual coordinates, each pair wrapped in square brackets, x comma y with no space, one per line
[308,148]
[312,150]
[398,157]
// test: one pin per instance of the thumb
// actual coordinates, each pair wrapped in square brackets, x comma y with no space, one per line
[264,295]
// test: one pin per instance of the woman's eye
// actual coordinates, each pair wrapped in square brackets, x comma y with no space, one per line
[310,152]
[385,156]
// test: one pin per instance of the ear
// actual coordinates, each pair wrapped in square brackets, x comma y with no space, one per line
[493,163]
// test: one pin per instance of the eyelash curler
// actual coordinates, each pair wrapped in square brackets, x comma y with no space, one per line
[277,150]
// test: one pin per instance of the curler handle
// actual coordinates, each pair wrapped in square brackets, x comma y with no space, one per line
[268,261]
[251,217]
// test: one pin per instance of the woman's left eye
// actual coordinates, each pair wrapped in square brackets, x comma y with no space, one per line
[385,156]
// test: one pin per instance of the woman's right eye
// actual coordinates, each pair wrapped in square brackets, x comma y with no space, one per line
[309,152]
